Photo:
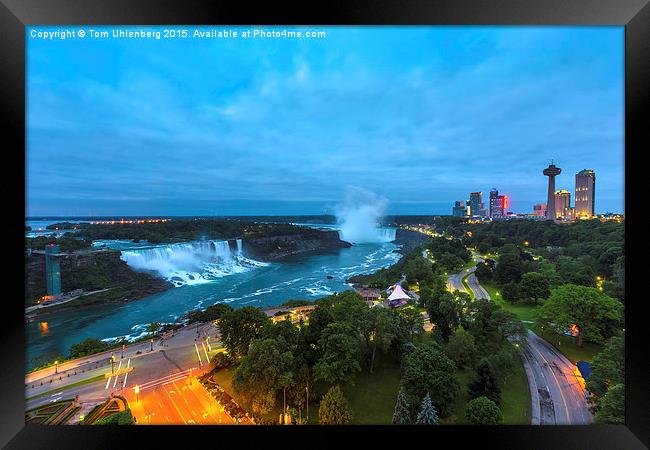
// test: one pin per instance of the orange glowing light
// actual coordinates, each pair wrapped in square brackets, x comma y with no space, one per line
[574,330]
[45,328]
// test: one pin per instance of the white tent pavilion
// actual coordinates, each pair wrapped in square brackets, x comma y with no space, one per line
[398,294]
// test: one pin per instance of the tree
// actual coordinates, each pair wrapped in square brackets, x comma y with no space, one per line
[485,384]
[485,270]
[444,312]
[269,366]
[339,362]
[492,325]
[240,327]
[510,292]
[462,349]
[509,269]
[534,288]
[379,328]
[597,315]
[334,408]
[411,321]
[401,415]
[263,402]
[153,328]
[611,407]
[450,262]
[428,414]
[608,366]
[483,411]
[428,370]
[418,269]
[87,347]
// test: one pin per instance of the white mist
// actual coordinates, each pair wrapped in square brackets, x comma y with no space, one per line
[358,217]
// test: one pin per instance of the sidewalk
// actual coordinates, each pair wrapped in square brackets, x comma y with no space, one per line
[181,336]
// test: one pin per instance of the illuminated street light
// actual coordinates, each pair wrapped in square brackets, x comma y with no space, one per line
[56,366]
[136,390]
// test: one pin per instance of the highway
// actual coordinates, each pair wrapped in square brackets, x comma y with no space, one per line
[561,395]
[557,390]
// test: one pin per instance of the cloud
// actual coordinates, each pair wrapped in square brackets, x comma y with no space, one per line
[421,116]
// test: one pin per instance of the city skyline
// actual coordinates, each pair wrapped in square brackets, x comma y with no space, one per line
[421,116]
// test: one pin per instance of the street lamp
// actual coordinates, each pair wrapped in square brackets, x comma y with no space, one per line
[112,363]
[56,366]
[136,390]
[151,345]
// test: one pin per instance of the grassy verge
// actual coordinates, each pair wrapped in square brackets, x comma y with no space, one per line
[467,288]
[515,398]
[68,386]
[525,313]
[568,345]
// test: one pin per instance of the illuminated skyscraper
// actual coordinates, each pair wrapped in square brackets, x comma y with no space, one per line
[459,209]
[585,194]
[562,204]
[498,204]
[475,204]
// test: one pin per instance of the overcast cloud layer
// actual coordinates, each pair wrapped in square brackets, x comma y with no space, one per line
[418,115]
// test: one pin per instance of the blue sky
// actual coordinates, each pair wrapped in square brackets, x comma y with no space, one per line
[419,115]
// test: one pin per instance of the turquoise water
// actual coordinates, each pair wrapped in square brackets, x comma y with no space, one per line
[303,277]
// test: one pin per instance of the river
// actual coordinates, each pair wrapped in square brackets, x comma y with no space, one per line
[238,281]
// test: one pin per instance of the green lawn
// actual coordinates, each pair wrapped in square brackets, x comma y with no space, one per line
[525,313]
[515,398]
[457,417]
[373,396]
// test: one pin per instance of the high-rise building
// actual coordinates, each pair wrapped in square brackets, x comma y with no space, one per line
[585,194]
[498,204]
[459,209]
[562,204]
[551,172]
[539,210]
[476,205]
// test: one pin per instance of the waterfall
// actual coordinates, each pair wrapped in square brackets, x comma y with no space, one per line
[374,235]
[387,234]
[190,262]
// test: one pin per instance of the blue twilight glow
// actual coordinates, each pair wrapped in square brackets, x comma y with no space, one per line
[418,115]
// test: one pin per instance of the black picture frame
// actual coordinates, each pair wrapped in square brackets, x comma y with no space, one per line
[16,14]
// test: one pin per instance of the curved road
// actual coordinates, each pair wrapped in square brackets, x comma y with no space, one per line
[557,391]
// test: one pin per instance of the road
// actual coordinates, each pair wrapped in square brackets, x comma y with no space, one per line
[179,355]
[557,390]
[181,338]
[455,281]
[177,399]
[561,395]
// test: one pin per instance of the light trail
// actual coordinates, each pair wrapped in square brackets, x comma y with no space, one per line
[198,354]
[207,358]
